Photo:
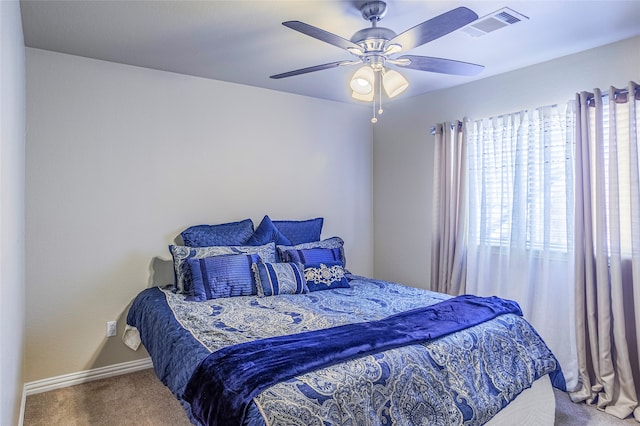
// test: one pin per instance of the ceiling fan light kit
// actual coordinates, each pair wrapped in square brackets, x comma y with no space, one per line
[394,83]
[374,48]
[363,80]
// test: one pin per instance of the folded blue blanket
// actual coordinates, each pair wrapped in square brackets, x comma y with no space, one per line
[225,382]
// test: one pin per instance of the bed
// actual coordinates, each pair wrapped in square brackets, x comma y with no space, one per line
[286,355]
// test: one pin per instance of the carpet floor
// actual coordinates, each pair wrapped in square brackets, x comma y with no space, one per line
[141,399]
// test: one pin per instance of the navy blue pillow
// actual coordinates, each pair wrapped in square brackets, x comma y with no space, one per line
[313,255]
[325,276]
[225,234]
[300,231]
[222,276]
[330,243]
[267,232]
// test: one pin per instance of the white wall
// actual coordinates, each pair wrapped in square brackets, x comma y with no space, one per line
[12,169]
[120,159]
[403,144]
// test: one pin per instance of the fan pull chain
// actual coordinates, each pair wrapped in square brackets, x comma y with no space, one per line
[374,119]
[373,103]
[380,90]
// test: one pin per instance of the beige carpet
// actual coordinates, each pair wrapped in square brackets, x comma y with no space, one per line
[131,399]
[141,399]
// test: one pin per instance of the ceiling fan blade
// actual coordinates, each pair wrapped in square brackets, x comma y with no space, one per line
[444,66]
[312,69]
[434,28]
[321,34]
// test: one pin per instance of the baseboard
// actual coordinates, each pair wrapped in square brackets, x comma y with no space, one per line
[22,403]
[66,380]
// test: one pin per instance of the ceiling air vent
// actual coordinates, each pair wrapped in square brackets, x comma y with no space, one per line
[493,21]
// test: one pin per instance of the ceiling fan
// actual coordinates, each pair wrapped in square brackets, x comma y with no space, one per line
[376,48]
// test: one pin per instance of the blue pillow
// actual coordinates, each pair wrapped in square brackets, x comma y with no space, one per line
[325,276]
[330,243]
[313,255]
[279,278]
[222,276]
[267,232]
[300,231]
[225,234]
[181,254]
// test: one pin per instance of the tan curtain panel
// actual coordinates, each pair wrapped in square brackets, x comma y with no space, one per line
[607,250]
[448,252]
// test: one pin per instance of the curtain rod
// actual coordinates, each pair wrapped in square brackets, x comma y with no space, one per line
[433,129]
[460,122]
[617,94]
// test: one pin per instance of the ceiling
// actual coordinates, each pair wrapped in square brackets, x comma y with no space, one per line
[244,42]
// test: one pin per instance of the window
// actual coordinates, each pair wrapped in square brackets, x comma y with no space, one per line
[521,180]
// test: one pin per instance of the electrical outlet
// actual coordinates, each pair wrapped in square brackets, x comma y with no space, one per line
[112,328]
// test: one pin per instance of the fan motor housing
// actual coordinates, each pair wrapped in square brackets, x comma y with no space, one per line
[373,39]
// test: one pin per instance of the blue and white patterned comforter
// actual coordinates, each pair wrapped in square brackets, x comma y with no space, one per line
[462,378]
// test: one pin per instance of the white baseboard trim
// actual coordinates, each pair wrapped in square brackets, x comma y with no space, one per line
[66,380]
[21,418]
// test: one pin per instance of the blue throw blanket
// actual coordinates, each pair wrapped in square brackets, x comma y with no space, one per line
[224,384]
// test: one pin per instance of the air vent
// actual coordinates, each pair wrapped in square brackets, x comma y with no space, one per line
[493,21]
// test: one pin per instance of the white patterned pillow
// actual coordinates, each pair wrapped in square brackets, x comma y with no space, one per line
[279,278]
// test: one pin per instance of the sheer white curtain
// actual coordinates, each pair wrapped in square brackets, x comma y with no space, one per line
[608,249]
[448,251]
[520,224]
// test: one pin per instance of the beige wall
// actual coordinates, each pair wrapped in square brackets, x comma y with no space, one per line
[403,144]
[120,159]
[12,166]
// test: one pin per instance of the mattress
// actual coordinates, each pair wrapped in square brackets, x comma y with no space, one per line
[535,406]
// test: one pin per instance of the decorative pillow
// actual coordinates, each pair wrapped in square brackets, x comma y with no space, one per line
[300,231]
[222,276]
[181,254]
[329,243]
[325,276]
[267,232]
[279,278]
[225,234]
[314,255]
